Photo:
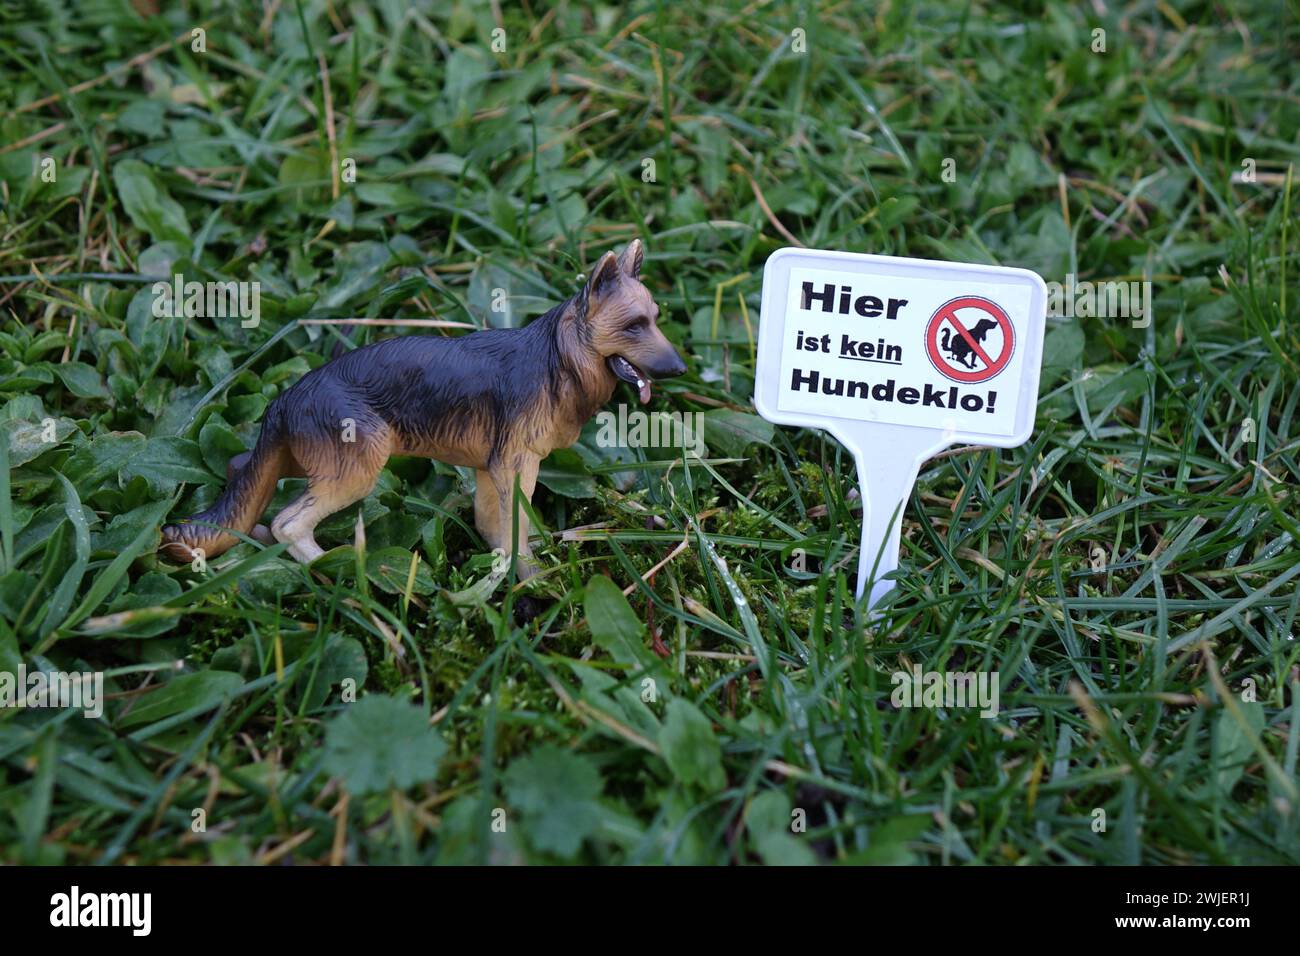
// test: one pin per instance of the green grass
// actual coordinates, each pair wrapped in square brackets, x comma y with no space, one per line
[1129,572]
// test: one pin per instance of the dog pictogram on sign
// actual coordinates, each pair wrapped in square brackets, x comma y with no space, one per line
[969,339]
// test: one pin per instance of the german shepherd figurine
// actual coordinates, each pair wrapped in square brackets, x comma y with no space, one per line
[497,401]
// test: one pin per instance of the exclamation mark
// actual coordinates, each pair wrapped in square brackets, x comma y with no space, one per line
[988,407]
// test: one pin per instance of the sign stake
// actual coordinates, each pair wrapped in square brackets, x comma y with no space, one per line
[898,359]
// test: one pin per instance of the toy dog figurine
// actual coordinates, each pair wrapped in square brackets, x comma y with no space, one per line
[498,401]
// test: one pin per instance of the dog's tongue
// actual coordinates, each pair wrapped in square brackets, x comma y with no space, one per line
[628,372]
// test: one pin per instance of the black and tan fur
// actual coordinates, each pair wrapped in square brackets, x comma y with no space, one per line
[498,401]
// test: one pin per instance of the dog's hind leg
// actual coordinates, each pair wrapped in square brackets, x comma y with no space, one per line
[260,532]
[296,524]
[337,476]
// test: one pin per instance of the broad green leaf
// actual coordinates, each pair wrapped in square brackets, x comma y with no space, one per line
[624,704]
[555,790]
[388,195]
[728,432]
[205,690]
[1062,349]
[389,569]
[359,268]
[477,593]
[342,659]
[1232,745]
[381,743]
[148,203]
[218,443]
[56,608]
[769,822]
[690,747]
[81,379]
[308,175]
[27,439]
[103,457]
[564,472]
[888,841]
[614,628]
[10,659]
[107,579]
[166,462]
[139,612]
[463,840]
[143,116]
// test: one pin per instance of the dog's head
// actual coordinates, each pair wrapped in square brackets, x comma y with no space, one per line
[620,318]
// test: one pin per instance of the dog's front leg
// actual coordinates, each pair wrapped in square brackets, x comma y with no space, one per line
[494,494]
[487,509]
[527,474]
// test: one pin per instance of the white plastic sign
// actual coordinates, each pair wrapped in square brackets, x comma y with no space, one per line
[898,359]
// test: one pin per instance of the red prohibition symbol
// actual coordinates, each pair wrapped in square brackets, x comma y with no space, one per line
[962,354]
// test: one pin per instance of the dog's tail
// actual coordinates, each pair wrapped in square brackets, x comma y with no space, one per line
[247,494]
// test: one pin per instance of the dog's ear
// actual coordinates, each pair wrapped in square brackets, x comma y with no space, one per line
[631,259]
[603,277]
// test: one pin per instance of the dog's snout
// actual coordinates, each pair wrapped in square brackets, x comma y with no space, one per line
[667,366]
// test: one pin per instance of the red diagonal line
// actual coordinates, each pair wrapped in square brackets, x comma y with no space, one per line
[970,339]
